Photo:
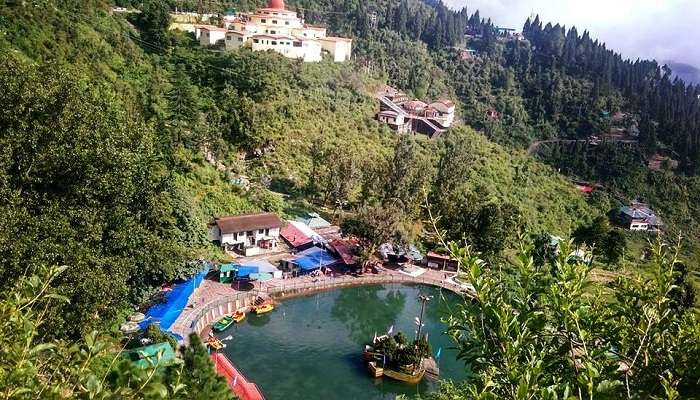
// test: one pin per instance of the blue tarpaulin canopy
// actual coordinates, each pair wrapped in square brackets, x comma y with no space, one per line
[314,258]
[175,301]
[244,271]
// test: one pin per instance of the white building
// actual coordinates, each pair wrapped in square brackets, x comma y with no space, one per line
[211,35]
[278,29]
[248,234]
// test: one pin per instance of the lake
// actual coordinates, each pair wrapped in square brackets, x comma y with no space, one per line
[311,347]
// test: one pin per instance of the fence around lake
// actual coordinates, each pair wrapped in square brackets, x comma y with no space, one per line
[212,311]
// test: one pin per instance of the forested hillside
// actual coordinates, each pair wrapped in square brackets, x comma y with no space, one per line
[107,121]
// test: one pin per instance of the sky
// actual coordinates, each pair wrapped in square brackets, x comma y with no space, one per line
[665,30]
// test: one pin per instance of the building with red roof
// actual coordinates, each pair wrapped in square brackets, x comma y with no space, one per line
[283,31]
[405,115]
[347,250]
[297,236]
[248,234]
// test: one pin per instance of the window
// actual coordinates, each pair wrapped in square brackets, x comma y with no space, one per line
[267,232]
[249,233]
[240,39]
[261,231]
[256,41]
[264,21]
[273,32]
[297,44]
[274,43]
[235,236]
[286,22]
[274,21]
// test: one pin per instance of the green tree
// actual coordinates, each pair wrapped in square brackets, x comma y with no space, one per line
[82,185]
[155,23]
[376,225]
[529,333]
[33,367]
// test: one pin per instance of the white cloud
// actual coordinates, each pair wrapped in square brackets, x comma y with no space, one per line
[659,29]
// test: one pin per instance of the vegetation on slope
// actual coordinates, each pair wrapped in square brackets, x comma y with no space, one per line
[108,118]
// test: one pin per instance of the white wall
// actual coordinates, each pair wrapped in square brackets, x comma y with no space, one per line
[242,237]
[235,41]
[310,51]
[341,50]
[208,38]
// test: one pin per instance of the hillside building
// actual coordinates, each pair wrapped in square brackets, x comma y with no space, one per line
[639,217]
[283,31]
[405,115]
[248,234]
[210,35]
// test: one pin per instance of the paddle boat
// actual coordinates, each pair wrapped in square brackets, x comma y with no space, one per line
[262,309]
[223,323]
[215,343]
[238,316]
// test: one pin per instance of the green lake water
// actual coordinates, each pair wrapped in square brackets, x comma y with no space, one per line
[311,347]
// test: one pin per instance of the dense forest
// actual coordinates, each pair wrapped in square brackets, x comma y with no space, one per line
[109,123]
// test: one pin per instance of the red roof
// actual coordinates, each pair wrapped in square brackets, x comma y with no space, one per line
[346,249]
[584,189]
[335,39]
[314,28]
[276,37]
[329,233]
[292,235]
[214,29]
[443,257]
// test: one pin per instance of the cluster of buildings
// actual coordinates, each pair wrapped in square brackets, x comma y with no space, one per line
[304,245]
[278,29]
[406,115]
[311,242]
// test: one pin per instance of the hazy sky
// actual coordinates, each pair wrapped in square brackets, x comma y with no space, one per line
[659,29]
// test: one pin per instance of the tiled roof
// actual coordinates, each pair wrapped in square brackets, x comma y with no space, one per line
[335,39]
[213,29]
[346,249]
[641,213]
[295,236]
[248,222]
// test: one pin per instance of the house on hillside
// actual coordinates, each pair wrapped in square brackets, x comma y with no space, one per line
[441,261]
[639,217]
[283,31]
[247,234]
[210,35]
[406,115]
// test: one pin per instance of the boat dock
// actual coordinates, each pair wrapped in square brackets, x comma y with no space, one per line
[238,383]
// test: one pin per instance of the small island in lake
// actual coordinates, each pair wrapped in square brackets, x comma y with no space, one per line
[396,358]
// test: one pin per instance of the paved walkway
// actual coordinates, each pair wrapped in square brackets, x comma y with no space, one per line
[211,294]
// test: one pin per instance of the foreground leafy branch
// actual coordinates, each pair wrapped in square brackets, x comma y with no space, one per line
[32,367]
[547,332]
